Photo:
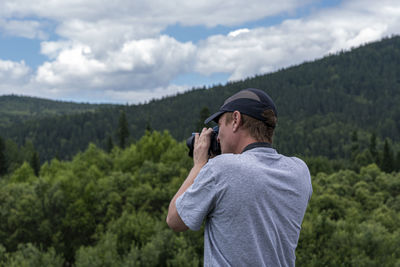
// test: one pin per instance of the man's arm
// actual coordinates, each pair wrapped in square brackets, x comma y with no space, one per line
[200,158]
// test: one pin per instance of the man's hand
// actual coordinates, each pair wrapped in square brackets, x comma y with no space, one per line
[201,147]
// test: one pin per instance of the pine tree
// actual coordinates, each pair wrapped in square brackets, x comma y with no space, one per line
[354,145]
[387,158]
[35,163]
[110,144]
[123,130]
[397,162]
[57,156]
[149,129]
[204,114]
[372,148]
[3,161]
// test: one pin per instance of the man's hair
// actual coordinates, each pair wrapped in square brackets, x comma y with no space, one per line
[259,130]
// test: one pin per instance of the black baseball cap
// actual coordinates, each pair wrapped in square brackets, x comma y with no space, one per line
[252,102]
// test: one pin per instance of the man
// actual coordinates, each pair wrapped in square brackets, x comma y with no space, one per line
[252,198]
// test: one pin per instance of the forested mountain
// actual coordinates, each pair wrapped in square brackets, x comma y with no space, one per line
[323,107]
[17,109]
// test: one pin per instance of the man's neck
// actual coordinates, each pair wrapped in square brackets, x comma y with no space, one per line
[243,142]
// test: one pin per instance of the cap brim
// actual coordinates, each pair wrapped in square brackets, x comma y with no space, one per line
[214,117]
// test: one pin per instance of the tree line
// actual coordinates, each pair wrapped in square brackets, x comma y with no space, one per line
[356,150]
[16,109]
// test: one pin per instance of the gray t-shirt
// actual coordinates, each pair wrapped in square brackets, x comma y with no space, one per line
[253,203]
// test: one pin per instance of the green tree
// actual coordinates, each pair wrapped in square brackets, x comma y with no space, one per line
[109,209]
[387,164]
[397,162]
[148,127]
[14,156]
[110,144]
[372,148]
[204,114]
[29,255]
[3,161]
[23,174]
[354,145]
[123,130]
[363,159]
[348,223]
[35,162]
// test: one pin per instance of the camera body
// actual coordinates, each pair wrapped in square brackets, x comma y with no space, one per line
[214,149]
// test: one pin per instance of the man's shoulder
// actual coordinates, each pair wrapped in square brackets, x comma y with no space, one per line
[222,164]
[299,163]
[227,159]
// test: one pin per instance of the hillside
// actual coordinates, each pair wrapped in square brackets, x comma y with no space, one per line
[321,105]
[16,109]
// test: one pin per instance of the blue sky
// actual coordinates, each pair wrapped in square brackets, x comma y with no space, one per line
[135,51]
[19,48]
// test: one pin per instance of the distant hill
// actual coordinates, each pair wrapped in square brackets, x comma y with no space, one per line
[17,109]
[321,105]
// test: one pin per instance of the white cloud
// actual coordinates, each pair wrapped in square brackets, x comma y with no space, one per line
[218,12]
[207,12]
[244,53]
[143,95]
[116,45]
[147,63]
[23,28]
[14,77]
[114,50]
[70,66]
[238,32]
[105,25]
[13,72]
[366,35]
[52,49]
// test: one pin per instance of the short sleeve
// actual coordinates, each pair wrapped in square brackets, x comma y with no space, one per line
[198,200]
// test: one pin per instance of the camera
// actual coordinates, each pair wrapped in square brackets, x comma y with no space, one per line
[214,149]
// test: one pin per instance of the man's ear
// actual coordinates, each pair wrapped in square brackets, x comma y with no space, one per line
[237,120]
